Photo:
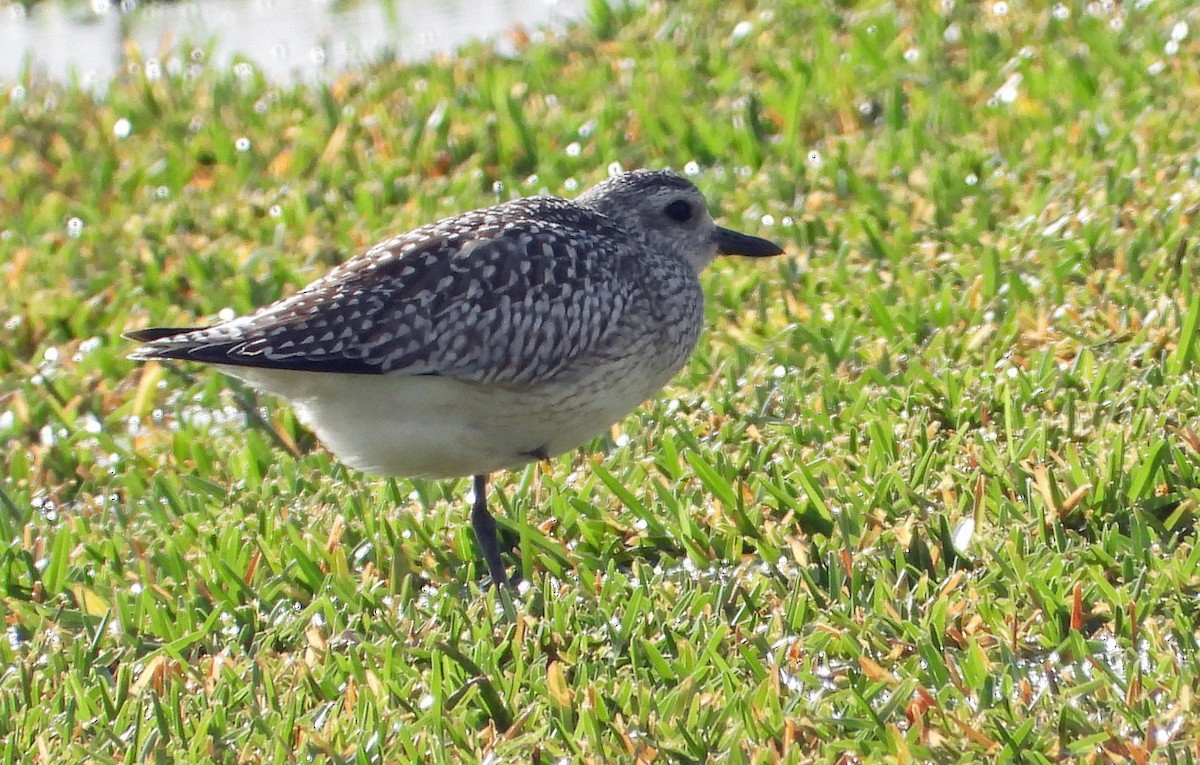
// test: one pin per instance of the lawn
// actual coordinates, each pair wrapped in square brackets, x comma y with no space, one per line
[927,492]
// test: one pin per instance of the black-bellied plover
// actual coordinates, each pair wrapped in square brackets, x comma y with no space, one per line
[487,340]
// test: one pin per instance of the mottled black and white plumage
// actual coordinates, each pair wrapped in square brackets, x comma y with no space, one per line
[489,339]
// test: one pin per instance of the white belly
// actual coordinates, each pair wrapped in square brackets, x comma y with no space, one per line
[438,427]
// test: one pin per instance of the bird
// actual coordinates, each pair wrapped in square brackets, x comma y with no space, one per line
[486,340]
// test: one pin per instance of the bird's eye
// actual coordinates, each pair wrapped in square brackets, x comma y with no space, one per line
[679,211]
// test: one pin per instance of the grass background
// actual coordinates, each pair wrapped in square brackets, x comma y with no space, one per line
[927,491]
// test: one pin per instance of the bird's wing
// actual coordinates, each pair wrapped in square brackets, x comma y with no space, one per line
[511,294]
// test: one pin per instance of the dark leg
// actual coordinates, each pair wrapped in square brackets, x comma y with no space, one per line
[485,533]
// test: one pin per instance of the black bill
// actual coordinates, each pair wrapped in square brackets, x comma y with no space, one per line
[733,243]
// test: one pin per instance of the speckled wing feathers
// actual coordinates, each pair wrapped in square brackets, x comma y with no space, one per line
[511,294]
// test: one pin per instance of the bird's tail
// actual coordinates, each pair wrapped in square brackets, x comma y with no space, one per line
[171,342]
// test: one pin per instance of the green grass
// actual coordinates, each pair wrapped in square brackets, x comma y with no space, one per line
[927,491]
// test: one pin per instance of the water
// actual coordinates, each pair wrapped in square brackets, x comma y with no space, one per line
[286,39]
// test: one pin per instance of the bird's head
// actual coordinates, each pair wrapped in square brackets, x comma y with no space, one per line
[670,212]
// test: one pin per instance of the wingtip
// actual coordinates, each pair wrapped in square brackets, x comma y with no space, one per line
[158,346]
[150,334]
